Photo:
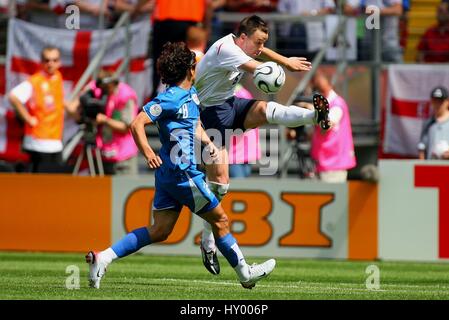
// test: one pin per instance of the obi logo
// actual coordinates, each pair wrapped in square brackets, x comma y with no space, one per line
[250,209]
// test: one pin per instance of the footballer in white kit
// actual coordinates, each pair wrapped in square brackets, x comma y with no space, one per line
[217,75]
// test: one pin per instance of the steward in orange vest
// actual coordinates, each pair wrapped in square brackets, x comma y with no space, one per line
[171,19]
[39,102]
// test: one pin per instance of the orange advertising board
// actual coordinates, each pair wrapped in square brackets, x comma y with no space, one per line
[54,213]
[75,214]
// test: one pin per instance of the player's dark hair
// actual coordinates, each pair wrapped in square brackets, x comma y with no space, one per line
[250,24]
[174,62]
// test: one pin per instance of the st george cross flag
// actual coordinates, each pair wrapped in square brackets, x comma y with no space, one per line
[78,47]
[408,106]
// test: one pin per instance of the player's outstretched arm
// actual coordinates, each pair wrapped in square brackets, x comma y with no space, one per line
[292,64]
[140,138]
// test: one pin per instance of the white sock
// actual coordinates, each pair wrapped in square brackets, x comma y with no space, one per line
[242,268]
[289,116]
[207,237]
[108,255]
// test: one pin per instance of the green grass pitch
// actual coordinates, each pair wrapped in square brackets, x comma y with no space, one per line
[43,276]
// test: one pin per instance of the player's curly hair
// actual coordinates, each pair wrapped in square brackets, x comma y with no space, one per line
[174,62]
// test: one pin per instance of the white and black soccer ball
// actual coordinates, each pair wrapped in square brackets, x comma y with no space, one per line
[269,77]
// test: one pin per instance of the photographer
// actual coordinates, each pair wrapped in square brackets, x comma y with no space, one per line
[107,109]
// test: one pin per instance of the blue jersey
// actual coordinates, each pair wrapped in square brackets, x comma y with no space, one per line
[178,182]
[176,114]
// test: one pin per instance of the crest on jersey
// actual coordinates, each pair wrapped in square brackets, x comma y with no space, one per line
[155,110]
[195,98]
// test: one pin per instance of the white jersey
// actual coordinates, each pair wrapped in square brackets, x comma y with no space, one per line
[218,73]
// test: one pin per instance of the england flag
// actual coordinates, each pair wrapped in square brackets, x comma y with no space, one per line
[78,48]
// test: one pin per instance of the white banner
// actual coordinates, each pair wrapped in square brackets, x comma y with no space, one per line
[26,41]
[408,105]
[413,210]
[78,47]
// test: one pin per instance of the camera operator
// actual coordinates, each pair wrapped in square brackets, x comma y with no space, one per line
[108,108]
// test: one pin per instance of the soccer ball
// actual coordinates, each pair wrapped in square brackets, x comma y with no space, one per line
[269,77]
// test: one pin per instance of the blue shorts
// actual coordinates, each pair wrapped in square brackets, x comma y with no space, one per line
[230,115]
[175,189]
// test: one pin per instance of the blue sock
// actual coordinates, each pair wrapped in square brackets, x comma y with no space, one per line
[132,242]
[225,245]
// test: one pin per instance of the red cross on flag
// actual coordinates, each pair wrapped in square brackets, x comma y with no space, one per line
[78,47]
[407,106]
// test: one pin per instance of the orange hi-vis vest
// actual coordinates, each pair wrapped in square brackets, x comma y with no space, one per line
[180,10]
[47,105]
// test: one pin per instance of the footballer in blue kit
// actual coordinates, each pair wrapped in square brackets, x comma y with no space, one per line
[178,182]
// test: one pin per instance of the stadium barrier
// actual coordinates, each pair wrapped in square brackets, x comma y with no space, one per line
[404,216]
[414,210]
[291,218]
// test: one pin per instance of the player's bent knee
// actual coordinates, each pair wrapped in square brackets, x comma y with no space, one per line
[159,234]
[256,116]
[218,189]
[262,107]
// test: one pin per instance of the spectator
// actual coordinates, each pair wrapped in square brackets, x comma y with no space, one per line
[119,152]
[90,12]
[434,44]
[390,12]
[406,5]
[4,7]
[216,25]
[434,142]
[197,41]
[129,5]
[17,9]
[333,150]
[295,35]
[306,7]
[251,6]
[39,102]
[350,7]
[171,21]
[39,12]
